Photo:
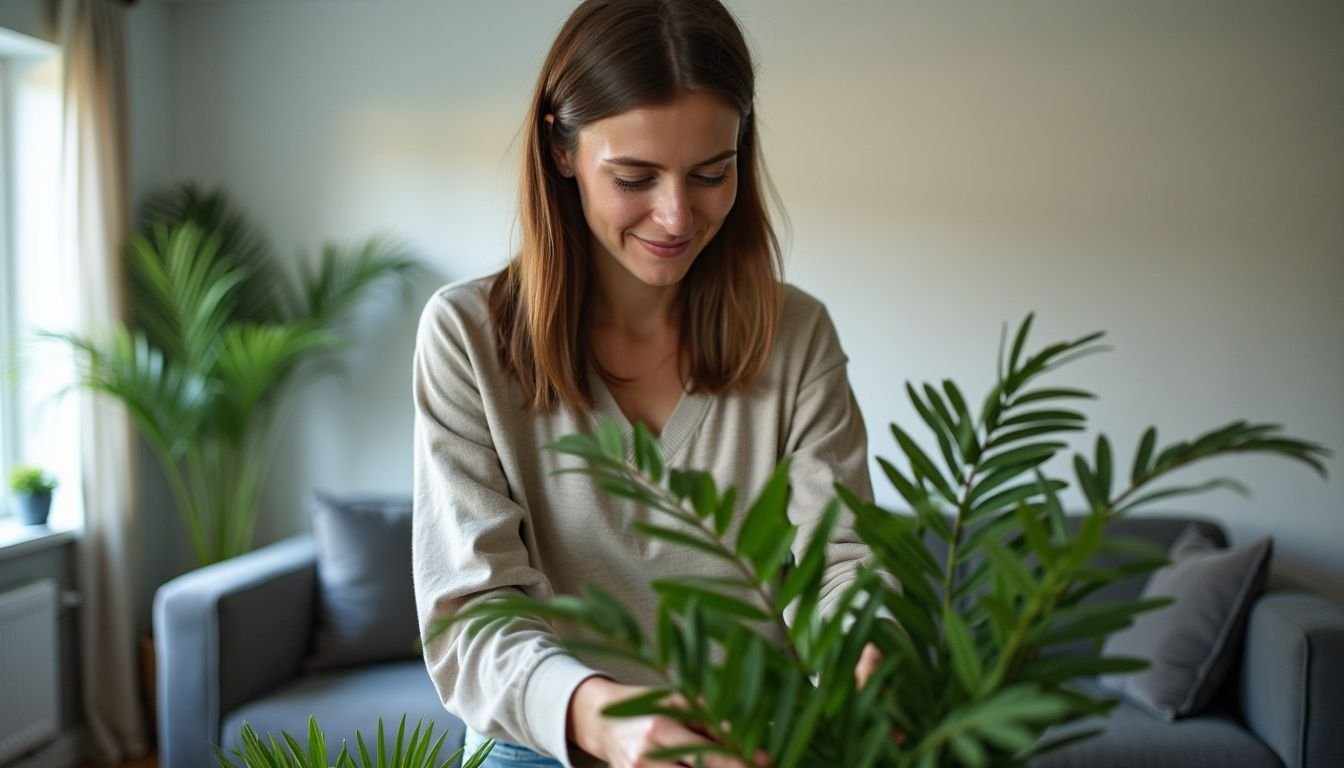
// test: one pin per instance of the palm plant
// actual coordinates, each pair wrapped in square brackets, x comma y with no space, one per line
[220,335]
[420,750]
[975,661]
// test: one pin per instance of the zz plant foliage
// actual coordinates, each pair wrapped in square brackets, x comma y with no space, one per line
[418,750]
[978,655]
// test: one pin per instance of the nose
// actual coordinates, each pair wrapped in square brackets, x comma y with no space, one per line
[672,211]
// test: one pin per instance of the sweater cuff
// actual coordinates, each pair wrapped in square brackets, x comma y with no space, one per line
[546,702]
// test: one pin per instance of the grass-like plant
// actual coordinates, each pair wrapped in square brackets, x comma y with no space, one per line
[418,750]
[30,481]
[976,653]
[220,333]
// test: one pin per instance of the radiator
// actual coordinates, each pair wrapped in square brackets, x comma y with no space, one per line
[29,675]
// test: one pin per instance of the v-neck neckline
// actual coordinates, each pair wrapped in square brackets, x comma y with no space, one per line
[681,424]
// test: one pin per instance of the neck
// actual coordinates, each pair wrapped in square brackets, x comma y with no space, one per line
[626,304]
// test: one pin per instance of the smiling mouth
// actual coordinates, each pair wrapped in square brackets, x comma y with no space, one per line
[664,250]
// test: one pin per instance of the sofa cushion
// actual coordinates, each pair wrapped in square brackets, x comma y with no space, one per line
[1192,643]
[1132,737]
[365,600]
[349,700]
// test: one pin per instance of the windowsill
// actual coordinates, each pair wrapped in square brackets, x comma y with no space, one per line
[17,539]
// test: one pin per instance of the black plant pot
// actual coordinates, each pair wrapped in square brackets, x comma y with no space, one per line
[34,508]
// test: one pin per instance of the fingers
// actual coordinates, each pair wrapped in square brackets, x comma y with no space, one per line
[666,733]
[868,661]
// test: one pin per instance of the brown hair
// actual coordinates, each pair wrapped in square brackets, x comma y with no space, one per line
[612,56]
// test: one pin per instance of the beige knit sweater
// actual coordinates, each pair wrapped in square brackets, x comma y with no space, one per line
[490,516]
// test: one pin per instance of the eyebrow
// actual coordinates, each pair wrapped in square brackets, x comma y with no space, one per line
[637,163]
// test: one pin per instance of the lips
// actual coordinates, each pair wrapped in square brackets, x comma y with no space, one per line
[664,250]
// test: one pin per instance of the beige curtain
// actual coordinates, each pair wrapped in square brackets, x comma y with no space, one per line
[95,212]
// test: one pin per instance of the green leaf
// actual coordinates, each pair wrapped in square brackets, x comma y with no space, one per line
[1010,497]
[1053,509]
[915,496]
[803,728]
[1187,490]
[1022,458]
[1034,533]
[1144,455]
[806,575]
[723,513]
[683,538]
[648,453]
[965,424]
[317,744]
[1061,668]
[610,441]
[786,704]
[993,407]
[642,704]
[968,750]
[766,532]
[1028,432]
[1010,567]
[941,430]
[1104,468]
[1019,341]
[1051,394]
[1044,416]
[680,593]
[587,448]
[922,465]
[966,662]
[1087,482]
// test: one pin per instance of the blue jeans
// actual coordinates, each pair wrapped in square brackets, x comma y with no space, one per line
[506,755]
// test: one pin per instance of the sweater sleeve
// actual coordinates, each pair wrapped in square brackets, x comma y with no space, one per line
[511,681]
[827,443]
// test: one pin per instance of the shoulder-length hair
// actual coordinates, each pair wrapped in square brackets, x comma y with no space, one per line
[612,56]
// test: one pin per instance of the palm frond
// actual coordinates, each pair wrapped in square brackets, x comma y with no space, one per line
[254,363]
[265,295]
[166,400]
[185,292]
[343,275]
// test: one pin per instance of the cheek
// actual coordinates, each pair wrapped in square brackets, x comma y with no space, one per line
[717,203]
[616,207]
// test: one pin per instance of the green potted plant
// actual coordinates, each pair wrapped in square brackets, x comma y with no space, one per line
[974,665]
[221,333]
[32,489]
[419,750]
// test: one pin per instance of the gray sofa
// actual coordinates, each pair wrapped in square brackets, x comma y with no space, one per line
[232,641]
[233,638]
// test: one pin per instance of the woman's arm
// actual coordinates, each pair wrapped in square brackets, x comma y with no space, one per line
[511,681]
[826,442]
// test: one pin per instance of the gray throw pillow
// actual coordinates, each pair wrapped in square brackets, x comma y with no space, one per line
[1191,643]
[366,601]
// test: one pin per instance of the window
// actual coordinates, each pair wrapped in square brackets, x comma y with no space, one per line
[36,426]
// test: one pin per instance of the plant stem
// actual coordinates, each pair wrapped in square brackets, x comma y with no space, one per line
[776,611]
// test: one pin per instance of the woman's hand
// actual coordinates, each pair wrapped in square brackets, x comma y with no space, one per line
[623,741]
[868,661]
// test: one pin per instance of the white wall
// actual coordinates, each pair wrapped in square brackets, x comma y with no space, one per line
[1171,172]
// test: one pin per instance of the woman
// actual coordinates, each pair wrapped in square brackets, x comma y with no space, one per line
[647,288]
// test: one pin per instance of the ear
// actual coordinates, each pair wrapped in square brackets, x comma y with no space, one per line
[562,159]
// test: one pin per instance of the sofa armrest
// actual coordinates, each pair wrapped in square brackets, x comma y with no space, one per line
[1292,678]
[225,633]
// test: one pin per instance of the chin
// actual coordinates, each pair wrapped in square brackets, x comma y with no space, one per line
[663,276]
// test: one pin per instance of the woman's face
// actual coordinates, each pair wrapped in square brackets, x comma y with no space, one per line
[656,184]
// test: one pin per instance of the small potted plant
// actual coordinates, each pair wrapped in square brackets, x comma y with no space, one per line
[32,489]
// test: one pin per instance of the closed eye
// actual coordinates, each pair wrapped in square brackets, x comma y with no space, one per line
[631,184]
